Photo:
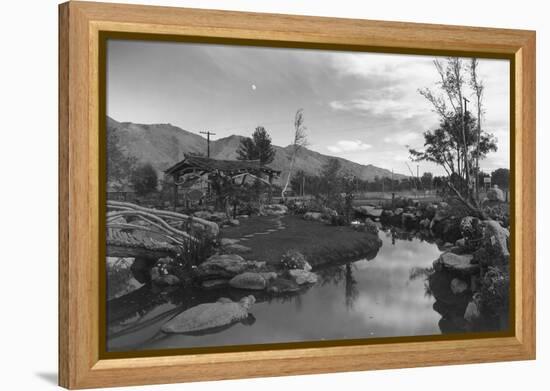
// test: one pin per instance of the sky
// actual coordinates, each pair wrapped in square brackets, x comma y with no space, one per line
[364,107]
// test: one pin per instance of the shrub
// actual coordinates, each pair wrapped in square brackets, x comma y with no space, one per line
[193,253]
[495,290]
[293,259]
[338,220]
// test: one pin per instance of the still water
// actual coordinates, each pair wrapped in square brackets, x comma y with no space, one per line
[382,297]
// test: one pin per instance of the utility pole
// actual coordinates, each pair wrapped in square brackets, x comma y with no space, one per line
[466,163]
[208,134]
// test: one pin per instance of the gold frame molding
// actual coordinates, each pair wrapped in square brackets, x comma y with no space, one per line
[83,26]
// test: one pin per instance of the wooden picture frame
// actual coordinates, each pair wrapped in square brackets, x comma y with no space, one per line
[80,187]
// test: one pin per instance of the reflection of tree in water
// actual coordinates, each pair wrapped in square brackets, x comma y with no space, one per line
[422,273]
[331,275]
[338,274]
[397,233]
[350,286]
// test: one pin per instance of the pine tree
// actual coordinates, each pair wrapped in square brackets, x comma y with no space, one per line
[257,148]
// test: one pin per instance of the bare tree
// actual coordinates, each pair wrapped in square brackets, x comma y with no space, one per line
[300,141]
[459,142]
[451,76]
[477,85]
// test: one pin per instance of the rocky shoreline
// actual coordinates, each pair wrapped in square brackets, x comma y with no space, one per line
[470,280]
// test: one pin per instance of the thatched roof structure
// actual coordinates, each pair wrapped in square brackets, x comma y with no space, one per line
[226,167]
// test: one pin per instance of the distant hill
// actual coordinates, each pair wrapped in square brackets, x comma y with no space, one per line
[164,145]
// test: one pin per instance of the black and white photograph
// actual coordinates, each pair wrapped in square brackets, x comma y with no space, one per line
[270,195]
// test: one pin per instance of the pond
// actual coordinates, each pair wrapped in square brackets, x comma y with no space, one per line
[382,297]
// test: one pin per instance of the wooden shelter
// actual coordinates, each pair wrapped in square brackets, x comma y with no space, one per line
[193,169]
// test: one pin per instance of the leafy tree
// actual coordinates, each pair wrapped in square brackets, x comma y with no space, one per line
[330,182]
[144,179]
[300,141]
[426,180]
[501,178]
[459,142]
[257,148]
[298,181]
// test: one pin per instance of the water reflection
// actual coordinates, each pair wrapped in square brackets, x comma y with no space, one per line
[384,296]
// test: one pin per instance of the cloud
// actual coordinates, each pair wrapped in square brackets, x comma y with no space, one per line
[402,138]
[349,146]
[379,107]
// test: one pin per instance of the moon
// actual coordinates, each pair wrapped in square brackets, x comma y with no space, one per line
[253,87]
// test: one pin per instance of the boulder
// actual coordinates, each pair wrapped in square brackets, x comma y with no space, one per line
[369,211]
[209,316]
[446,227]
[155,273]
[458,286]
[495,194]
[425,223]
[234,222]
[203,214]
[495,242]
[303,277]
[387,213]
[313,216]
[166,280]
[215,284]
[447,301]
[282,285]
[248,280]
[228,241]
[269,276]
[225,266]
[275,210]
[141,269]
[408,219]
[430,211]
[456,264]
[460,243]
[472,312]
[329,213]
[238,248]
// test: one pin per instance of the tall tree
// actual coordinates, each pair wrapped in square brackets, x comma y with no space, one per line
[477,86]
[441,146]
[451,145]
[426,179]
[329,178]
[501,178]
[300,141]
[258,147]
[144,179]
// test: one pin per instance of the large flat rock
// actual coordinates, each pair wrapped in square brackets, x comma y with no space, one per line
[225,266]
[209,316]
[248,280]
[454,263]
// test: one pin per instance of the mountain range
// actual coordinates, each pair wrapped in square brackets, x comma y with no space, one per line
[163,145]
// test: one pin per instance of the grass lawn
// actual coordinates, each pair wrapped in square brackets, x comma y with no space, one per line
[320,243]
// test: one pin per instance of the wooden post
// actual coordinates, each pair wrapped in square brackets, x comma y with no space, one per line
[175,193]
[270,179]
